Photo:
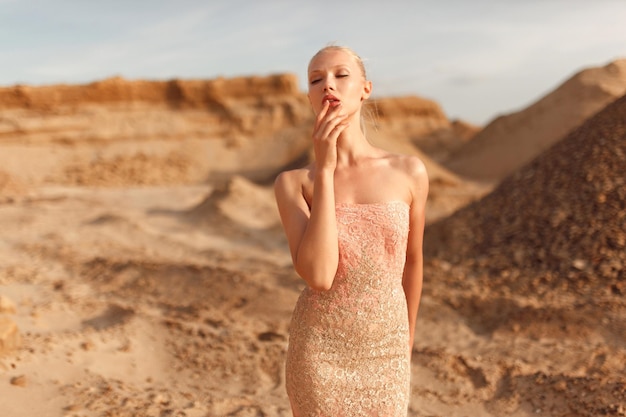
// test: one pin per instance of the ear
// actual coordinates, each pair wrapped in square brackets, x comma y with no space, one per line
[367,90]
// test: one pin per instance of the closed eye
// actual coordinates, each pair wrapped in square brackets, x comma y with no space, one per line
[315,81]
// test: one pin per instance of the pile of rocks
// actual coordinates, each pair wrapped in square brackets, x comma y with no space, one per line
[558,223]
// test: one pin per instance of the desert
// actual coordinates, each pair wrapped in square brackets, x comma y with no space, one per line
[144,270]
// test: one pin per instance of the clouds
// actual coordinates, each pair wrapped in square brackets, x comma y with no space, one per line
[476,58]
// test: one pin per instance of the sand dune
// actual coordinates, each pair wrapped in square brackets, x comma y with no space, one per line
[512,140]
[240,203]
[422,122]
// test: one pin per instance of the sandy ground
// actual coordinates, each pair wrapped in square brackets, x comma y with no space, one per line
[167,301]
[132,284]
[145,301]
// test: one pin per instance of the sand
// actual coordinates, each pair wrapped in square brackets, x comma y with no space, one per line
[513,140]
[144,272]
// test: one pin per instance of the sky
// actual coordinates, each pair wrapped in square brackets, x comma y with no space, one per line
[478,59]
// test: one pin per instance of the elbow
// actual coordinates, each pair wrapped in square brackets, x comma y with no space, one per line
[318,281]
[321,285]
[318,276]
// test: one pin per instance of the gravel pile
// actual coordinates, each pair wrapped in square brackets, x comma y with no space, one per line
[557,223]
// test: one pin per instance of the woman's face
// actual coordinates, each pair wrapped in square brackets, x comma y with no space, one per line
[335,76]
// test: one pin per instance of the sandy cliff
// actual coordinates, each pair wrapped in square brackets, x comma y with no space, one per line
[122,132]
[151,132]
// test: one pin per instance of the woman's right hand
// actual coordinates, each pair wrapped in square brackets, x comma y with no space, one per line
[329,124]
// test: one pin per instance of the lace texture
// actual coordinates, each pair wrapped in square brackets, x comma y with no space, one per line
[348,352]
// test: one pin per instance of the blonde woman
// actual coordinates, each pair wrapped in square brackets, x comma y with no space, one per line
[354,220]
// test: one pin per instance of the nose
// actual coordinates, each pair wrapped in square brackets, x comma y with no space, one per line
[328,86]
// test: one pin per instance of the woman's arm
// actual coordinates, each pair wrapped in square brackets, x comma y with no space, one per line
[414,267]
[312,233]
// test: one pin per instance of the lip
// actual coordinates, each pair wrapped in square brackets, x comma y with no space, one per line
[331,98]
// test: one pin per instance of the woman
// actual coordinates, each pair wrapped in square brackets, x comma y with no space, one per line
[354,220]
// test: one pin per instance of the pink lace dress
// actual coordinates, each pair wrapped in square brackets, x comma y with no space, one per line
[348,349]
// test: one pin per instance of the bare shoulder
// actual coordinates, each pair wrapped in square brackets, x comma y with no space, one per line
[415,171]
[289,185]
[410,165]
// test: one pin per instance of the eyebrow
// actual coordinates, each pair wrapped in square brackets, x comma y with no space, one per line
[341,66]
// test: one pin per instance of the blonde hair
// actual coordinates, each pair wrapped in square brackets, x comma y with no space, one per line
[345,49]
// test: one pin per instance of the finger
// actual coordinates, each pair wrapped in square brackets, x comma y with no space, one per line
[333,134]
[323,112]
[332,113]
[321,120]
[327,128]
[340,128]
[329,112]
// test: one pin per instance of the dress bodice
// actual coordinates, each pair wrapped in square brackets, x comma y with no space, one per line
[372,235]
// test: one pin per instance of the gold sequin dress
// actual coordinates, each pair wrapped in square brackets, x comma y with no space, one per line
[348,352]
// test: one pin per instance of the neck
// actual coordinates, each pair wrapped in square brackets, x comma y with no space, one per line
[352,145]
